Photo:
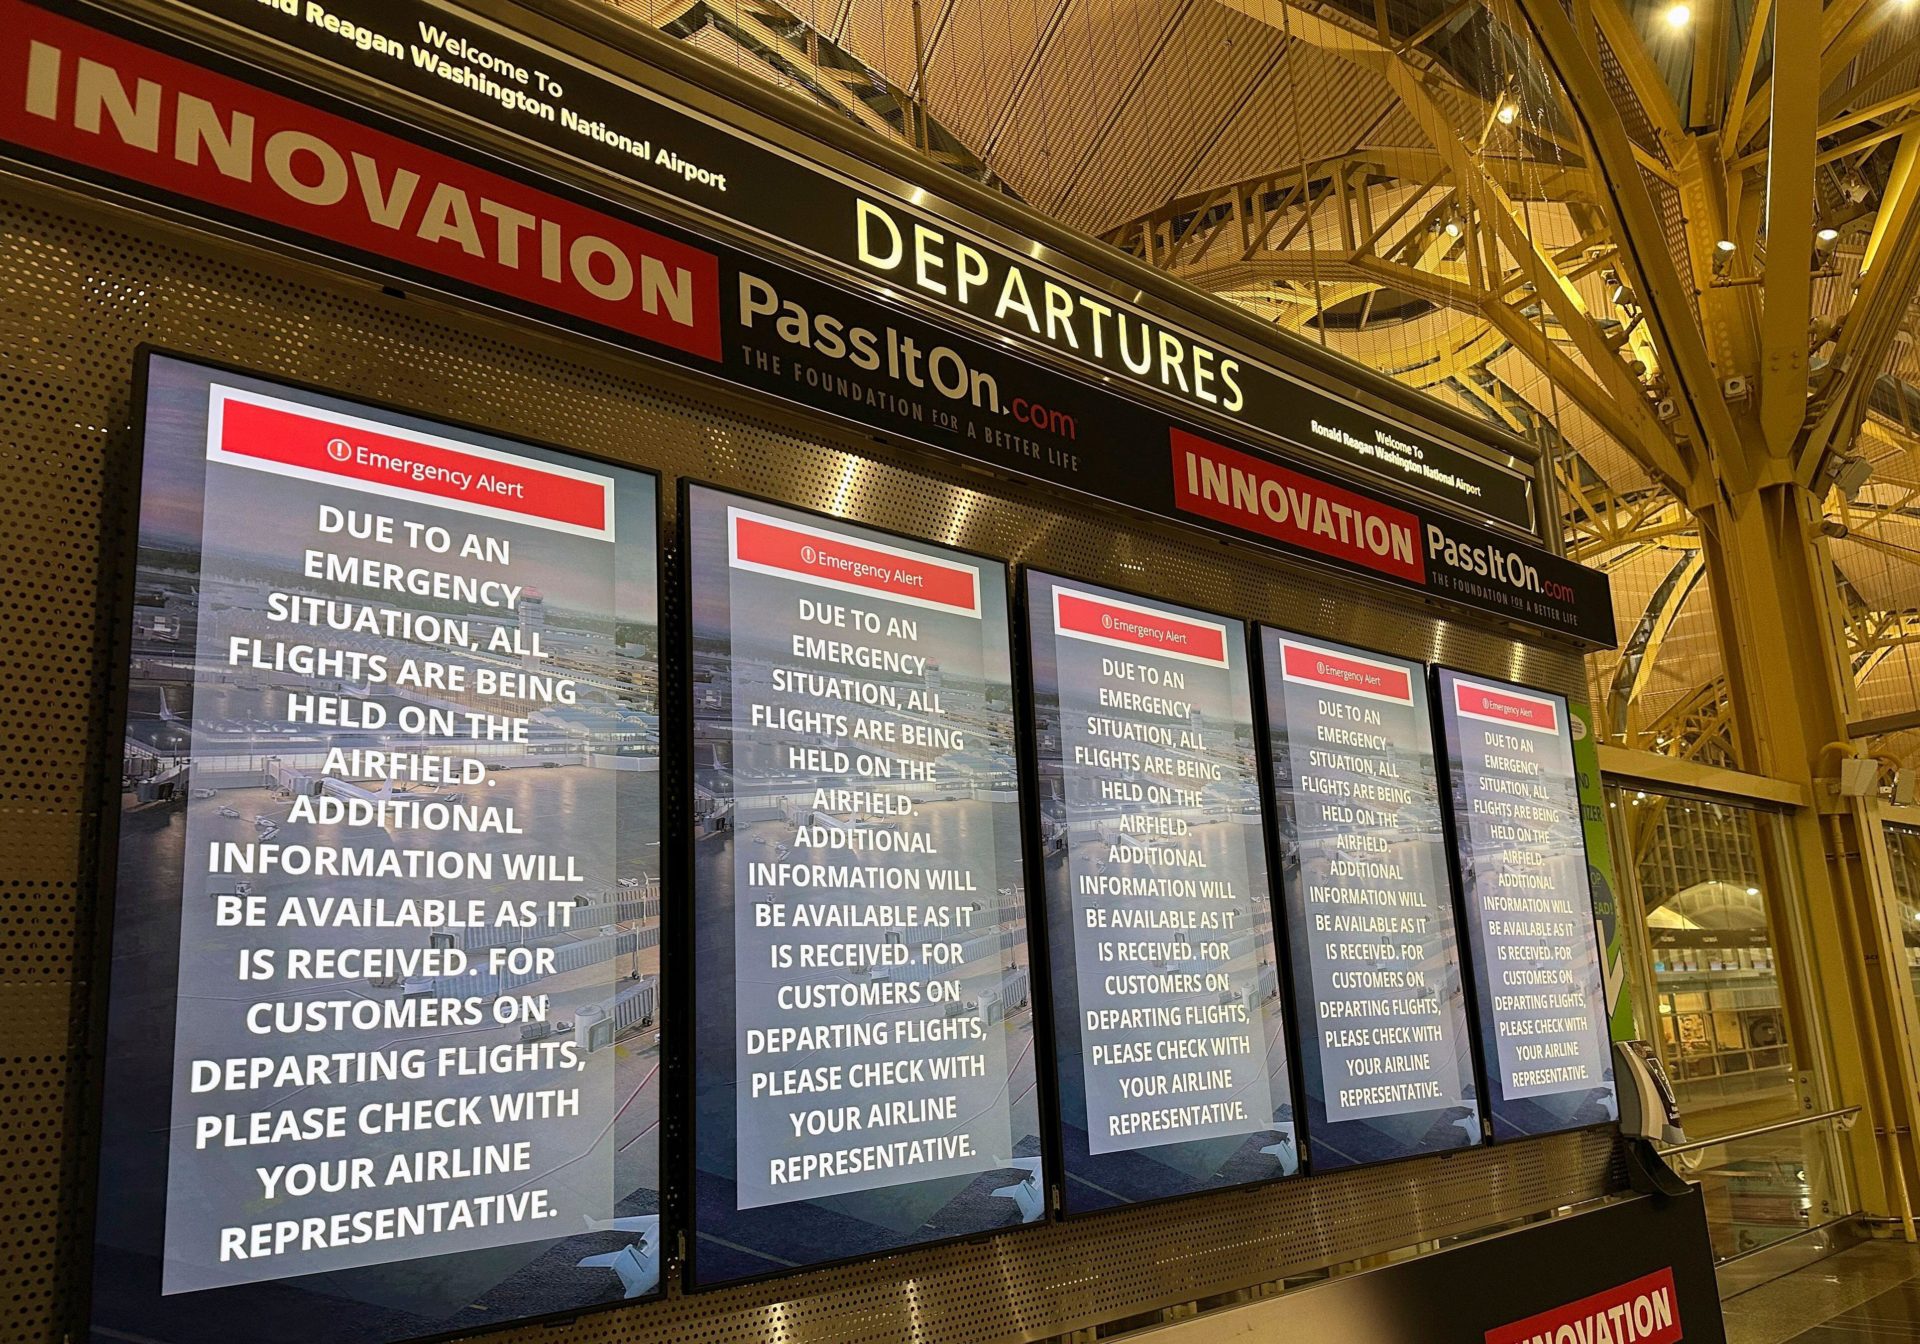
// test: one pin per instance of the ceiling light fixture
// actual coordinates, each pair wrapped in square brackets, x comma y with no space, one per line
[1507,115]
[1828,235]
[1678,16]
[1453,229]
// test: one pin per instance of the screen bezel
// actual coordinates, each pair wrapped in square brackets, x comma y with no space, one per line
[689,1112]
[1470,945]
[1036,885]
[106,780]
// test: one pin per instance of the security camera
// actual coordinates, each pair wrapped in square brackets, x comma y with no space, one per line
[1850,474]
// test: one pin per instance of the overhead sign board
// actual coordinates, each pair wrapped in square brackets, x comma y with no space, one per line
[138,111]
[385,1001]
[470,65]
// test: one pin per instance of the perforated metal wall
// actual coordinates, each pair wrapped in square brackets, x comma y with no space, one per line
[81,287]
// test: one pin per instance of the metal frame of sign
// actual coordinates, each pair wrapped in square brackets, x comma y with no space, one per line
[689,1108]
[1283,896]
[1469,937]
[1039,953]
[1037,892]
[599,90]
[1370,535]
[122,581]
[123,584]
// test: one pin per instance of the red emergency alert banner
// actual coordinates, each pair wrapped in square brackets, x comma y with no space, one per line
[1645,1311]
[88,97]
[251,430]
[1229,486]
[829,560]
[1127,625]
[1518,711]
[1341,672]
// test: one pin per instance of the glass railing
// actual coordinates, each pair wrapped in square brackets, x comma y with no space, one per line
[1771,1183]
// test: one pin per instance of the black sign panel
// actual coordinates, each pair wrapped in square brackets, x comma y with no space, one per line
[497,77]
[1386,1057]
[205,136]
[1169,1026]
[1638,1271]
[383,1034]
[1530,924]
[864,1076]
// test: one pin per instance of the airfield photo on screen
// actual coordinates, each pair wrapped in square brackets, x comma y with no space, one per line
[863,1061]
[383,1046]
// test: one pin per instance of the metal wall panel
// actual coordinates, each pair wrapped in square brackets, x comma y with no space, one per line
[82,285]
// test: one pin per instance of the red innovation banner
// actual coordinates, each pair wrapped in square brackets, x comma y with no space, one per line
[255,432]
[1645,1311]
[1229,486]
[88,97]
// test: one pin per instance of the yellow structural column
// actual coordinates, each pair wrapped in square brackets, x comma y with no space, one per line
[1791,688]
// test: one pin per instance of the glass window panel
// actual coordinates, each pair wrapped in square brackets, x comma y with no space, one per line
[1714,966]
[1903,854]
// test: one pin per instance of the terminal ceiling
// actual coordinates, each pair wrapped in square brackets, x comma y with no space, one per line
[1423,186]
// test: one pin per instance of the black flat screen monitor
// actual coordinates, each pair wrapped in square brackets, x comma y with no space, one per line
[863,1063]
[1386,1055]
[1532,938]
[1168,1018]
[381,1055]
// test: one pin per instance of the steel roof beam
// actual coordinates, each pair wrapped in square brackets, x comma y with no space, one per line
[1786,308]
[1663,292]
[1888,278]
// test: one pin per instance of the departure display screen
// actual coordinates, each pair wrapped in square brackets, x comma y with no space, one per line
[1539,987]
[1169,1024]
[1386,1057]
[382,1049]
[863,1060]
